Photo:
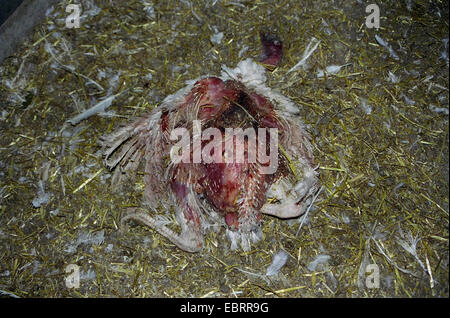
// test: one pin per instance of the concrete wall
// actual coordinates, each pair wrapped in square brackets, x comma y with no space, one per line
[7,7]
[21,24]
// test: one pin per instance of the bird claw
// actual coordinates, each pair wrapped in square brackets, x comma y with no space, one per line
[189,240]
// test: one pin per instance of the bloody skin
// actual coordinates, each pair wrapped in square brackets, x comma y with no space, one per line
[223,184]
[272,51]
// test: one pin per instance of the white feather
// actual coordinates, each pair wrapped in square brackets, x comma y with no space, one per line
[278,261]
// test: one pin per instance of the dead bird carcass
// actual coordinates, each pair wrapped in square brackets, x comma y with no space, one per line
[210,182]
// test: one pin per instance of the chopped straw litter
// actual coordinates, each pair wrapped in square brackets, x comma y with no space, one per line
[374,101]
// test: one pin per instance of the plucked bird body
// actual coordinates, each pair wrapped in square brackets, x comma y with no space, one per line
[244,153]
